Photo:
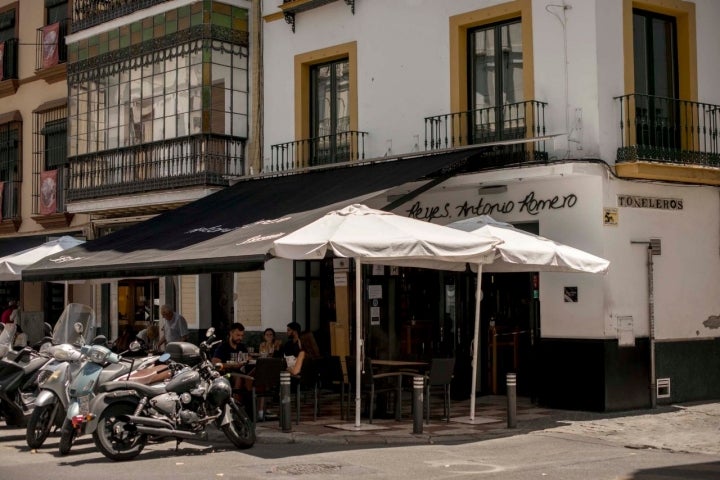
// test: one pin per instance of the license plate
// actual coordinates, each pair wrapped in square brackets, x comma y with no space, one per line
[84,404]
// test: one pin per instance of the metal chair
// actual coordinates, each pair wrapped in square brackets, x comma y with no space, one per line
[372,384]
[440,375]
[265,380]
[307,380]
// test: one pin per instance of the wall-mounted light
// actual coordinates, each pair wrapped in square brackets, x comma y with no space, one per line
[492,189]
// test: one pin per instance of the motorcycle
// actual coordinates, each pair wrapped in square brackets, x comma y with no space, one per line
[127,414]
[102,365]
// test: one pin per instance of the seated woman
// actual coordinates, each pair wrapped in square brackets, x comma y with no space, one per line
[270,344]
[308,351]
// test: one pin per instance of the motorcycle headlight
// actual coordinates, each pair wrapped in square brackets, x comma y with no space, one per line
[96,355]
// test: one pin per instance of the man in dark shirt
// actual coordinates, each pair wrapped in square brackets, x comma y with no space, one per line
[228,352]
[292,347]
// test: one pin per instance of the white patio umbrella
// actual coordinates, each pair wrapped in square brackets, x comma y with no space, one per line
[522,251]
[526,252]
[11,266]
[378,237]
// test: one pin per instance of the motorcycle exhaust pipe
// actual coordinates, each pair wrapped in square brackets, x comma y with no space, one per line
[141,421]
[167,432]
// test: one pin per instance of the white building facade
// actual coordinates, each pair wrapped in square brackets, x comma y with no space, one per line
[612,107]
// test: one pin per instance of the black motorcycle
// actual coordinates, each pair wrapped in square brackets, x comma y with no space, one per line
[126,415]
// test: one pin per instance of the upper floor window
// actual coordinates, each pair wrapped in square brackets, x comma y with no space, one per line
[10,158]
[655,68]
[51,37]
[50,163]
[8,44]
[496,65]
[495,83]
[330,98]
[143,100]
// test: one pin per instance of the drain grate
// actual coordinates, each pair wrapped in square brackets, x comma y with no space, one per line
[308,468]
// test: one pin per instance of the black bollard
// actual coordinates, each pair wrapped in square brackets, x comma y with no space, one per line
[511,400]
[418,408]
[285,403]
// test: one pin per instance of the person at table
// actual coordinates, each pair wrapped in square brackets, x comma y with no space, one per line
[229,354]
[292,347]
[173,327]
[308,351]
[270,344]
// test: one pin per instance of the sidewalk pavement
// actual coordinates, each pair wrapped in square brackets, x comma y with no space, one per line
[682,428]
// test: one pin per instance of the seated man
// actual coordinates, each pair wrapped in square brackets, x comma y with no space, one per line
[227,355]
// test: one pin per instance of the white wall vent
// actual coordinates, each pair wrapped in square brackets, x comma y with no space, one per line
[663,388]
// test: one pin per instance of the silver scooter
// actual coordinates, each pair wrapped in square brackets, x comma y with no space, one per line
[73,329]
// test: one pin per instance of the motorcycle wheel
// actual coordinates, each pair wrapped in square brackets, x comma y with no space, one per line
[112,439]
[40,423]
[67,437]
[240,431]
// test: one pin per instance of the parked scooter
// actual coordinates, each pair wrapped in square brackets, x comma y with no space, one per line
[101,365]
[127,413]
[20,378]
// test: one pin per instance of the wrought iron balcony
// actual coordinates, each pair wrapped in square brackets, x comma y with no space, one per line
[88,13]
[323,150]
[661,129]
[512,121]
[292,7]
[41,52]
[199,160]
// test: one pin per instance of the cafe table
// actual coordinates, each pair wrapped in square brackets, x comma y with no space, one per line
[409,367]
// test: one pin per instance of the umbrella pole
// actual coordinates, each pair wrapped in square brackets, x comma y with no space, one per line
[476,341]
[358,339]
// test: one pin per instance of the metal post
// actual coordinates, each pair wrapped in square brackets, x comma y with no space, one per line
[285,404]
[418,400]
[511,400]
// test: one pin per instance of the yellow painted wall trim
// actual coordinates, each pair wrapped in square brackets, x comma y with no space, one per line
[684,13]
[303,63]
[274,17]
[668,172]
[459,26]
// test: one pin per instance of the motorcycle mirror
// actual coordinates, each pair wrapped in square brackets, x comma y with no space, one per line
[210,332]
[78,327]
[164,357]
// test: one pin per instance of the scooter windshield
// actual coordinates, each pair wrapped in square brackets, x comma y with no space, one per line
[7,336]
[76,325]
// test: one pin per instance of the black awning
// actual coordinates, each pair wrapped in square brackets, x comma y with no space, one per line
[11,245]
[163,245]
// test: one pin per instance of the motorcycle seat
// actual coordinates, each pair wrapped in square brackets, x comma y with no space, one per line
[147,390]
[34,364]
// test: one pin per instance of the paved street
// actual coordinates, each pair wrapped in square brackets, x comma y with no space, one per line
[673,442]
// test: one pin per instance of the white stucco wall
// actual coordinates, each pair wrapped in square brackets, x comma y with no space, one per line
[277,294]
[403,69]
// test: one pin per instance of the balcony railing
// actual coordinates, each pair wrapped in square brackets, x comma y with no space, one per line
[88,13]
[201,160]
[662,129]
[42,50]
[310,152]
[10,60]
[513,121]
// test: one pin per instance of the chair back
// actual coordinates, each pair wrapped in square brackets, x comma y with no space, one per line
[309,374]
[441,371]
[267,372]
[330,371]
